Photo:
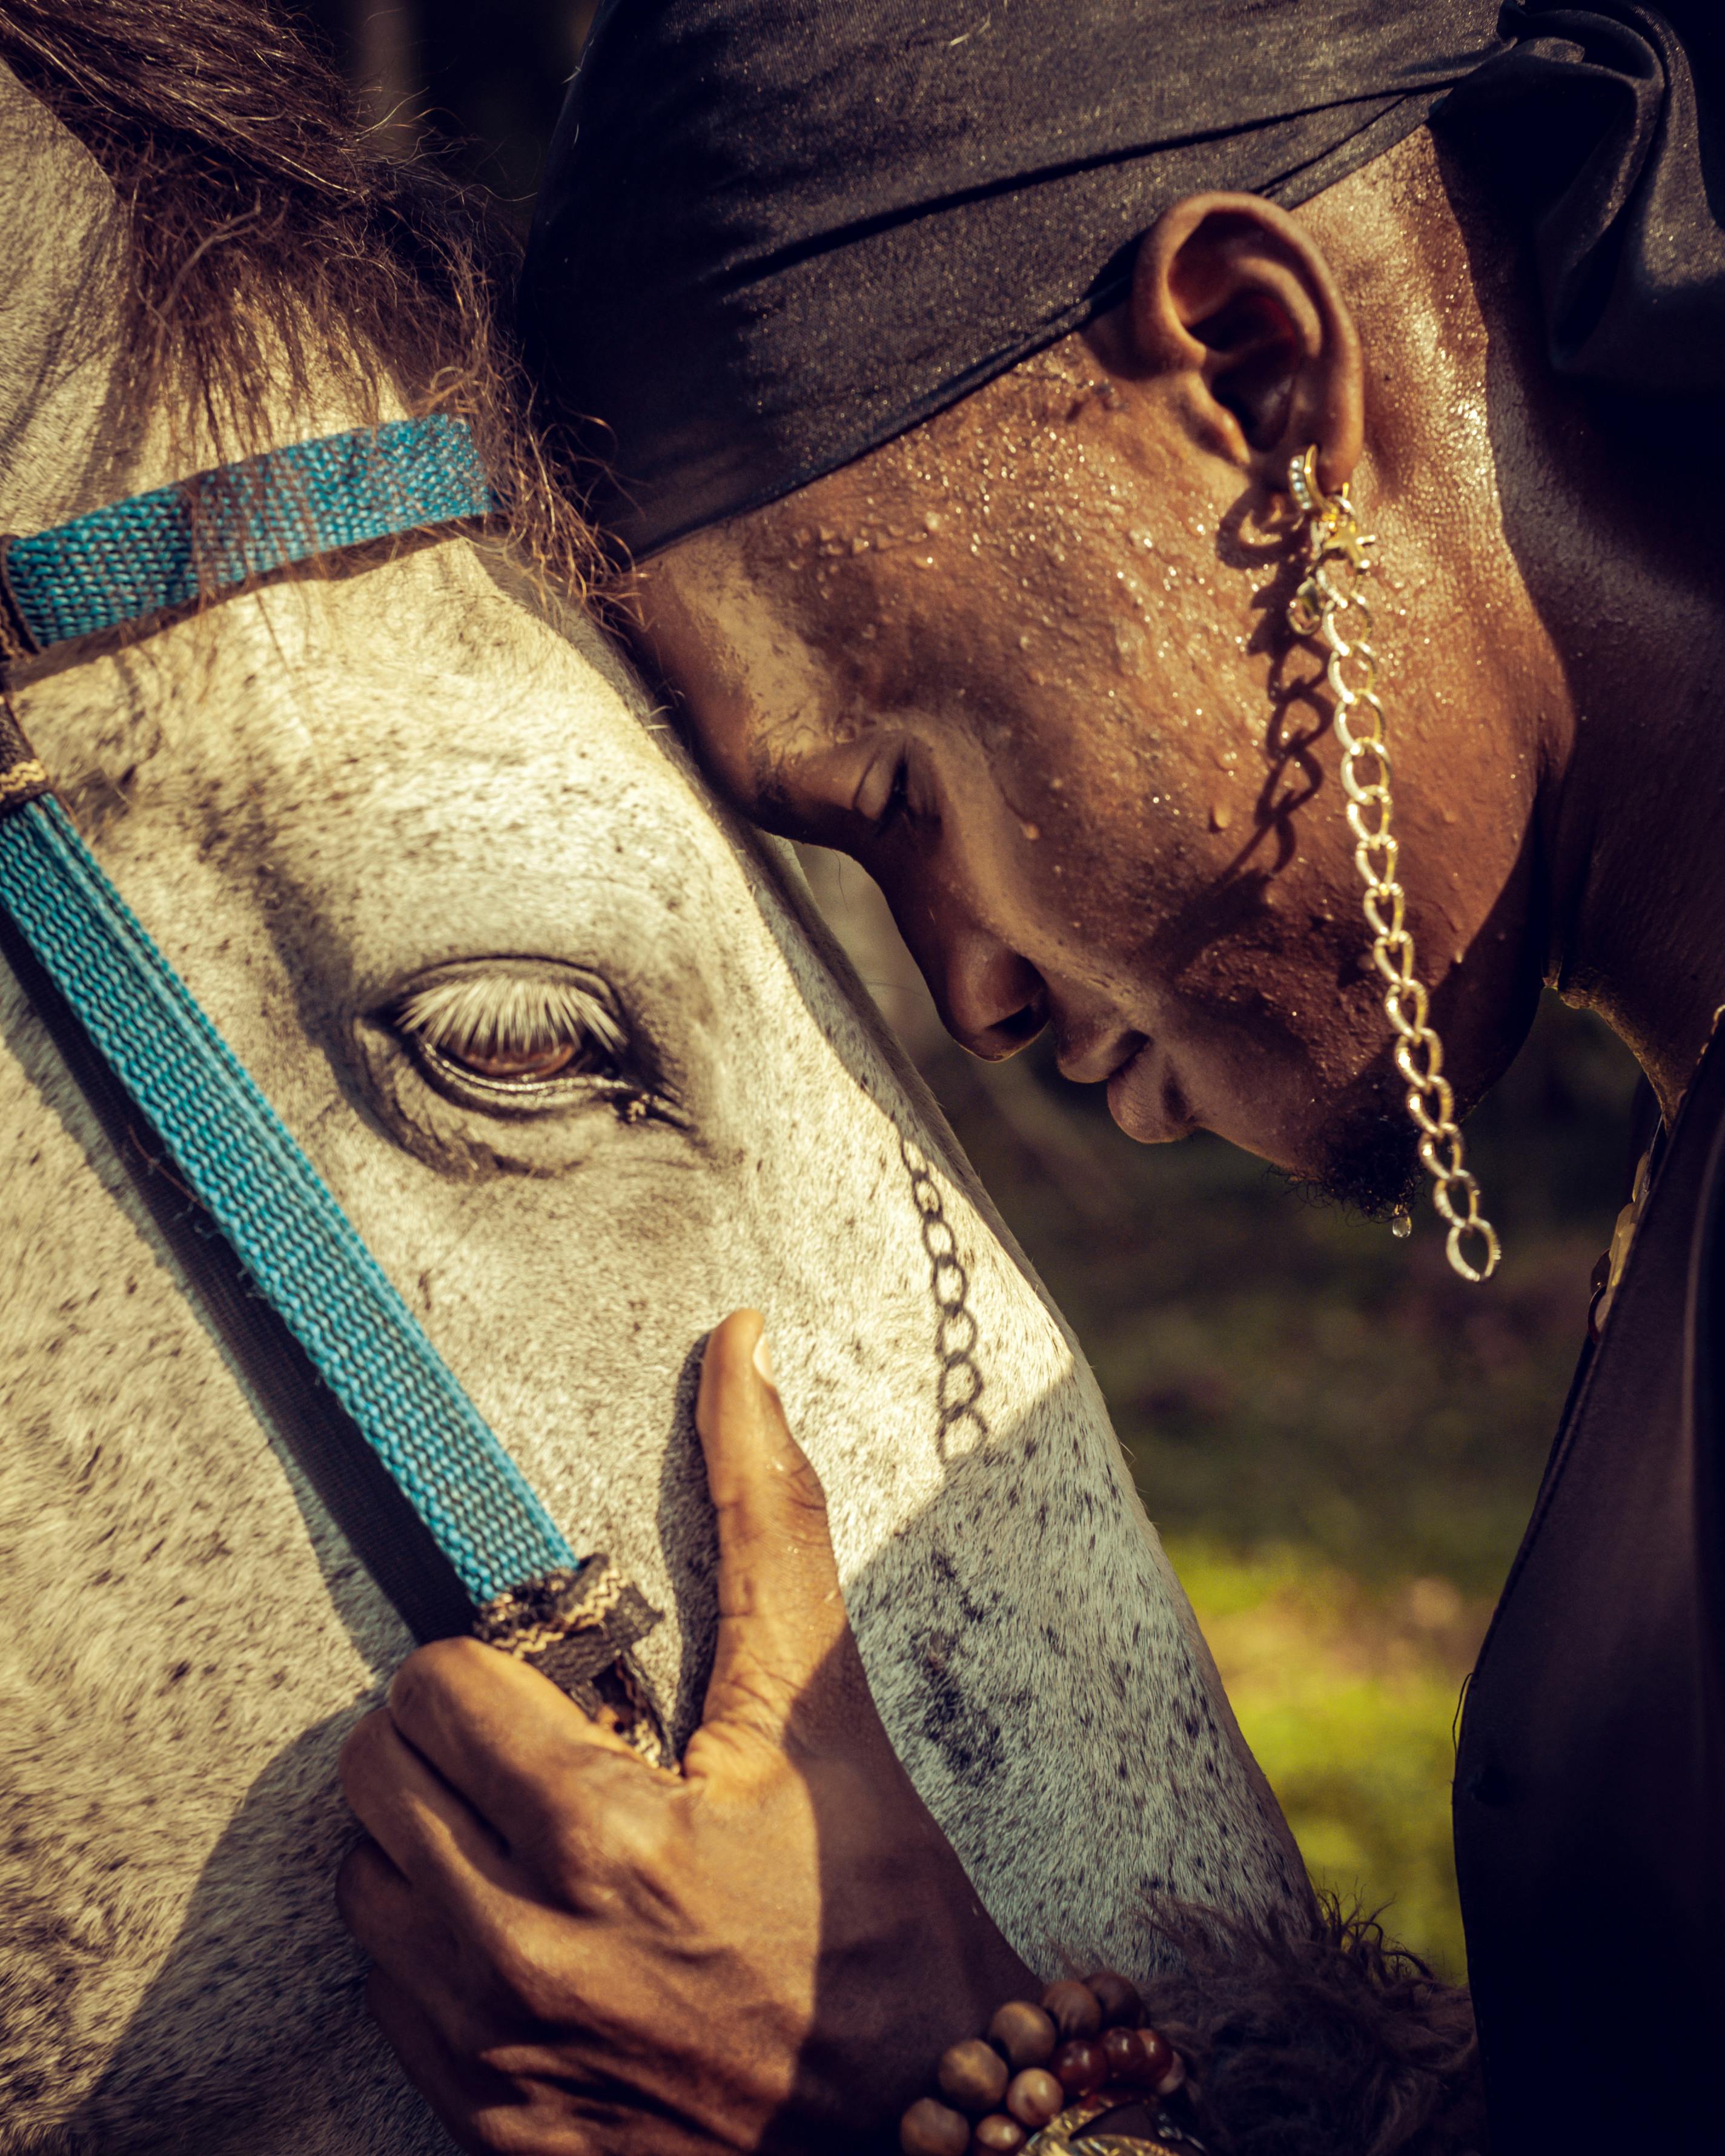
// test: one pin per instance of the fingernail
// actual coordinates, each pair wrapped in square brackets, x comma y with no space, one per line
[763,1359]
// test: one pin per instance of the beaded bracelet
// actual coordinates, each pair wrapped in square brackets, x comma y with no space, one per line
[1044,2075]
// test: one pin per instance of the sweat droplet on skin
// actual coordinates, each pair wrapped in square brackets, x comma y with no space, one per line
[1032,831]
[1221,815]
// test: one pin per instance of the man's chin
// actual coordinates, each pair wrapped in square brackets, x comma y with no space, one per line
[1365,1158]
[1369,1162]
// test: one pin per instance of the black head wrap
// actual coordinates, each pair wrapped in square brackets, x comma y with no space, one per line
[775,233]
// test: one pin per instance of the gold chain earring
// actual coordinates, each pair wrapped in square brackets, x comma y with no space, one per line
[1337,544]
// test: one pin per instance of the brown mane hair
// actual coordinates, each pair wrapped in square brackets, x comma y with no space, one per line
[267,229]
[1316,2038]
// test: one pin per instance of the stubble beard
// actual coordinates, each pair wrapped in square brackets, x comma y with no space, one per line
[1371,1163]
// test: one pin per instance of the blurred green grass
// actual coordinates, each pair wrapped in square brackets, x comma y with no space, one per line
[1347,1695]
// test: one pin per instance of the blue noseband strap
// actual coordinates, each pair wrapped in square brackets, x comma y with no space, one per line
[125,564]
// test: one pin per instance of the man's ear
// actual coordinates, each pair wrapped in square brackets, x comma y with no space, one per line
[1231,292]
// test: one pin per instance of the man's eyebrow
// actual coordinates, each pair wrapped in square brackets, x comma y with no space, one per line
[775,753]
[775,749]
[767,772]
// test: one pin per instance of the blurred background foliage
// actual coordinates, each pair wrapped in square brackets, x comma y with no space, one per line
[1339,1441]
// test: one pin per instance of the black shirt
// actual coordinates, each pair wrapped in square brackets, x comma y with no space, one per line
[1589,1801]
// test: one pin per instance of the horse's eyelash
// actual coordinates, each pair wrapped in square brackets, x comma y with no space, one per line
[493,1016]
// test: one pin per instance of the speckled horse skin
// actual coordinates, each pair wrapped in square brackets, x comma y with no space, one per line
[314,795]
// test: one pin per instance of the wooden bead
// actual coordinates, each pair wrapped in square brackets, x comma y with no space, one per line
[1123,2055]
[972,2074]
[1073,2009]
[1174,2078]
[1024,2033]
[1118,1999]
[997,2135]
[1159,2056]
[1034,2096]
[929,2129]
[1079,2066]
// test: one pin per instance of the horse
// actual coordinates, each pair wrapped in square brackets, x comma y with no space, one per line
[585,1069]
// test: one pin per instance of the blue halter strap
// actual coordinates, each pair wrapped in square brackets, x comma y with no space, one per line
[133,562]
[177,547]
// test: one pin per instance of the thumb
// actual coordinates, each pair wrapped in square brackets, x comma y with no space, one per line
[781,1620]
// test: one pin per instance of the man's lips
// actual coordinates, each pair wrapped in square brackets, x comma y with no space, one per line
[1144,1097]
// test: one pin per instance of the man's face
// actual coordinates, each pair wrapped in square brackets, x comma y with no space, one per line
[1030,666]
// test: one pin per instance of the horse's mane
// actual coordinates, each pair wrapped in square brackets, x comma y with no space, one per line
[271,239]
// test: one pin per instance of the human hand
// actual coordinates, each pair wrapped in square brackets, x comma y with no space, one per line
[575,1952]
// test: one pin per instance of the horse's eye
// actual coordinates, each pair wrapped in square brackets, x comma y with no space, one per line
[512,1025]
[521,1066]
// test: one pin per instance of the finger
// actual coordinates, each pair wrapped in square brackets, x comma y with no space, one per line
[483,2108]
[430,2062]
[524,1756]
[427,1829]
[781,1614]
[376,1904]
[408,1935]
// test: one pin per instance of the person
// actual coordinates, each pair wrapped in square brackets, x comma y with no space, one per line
[1214,507]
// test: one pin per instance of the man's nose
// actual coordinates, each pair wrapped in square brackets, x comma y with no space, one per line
[991,1001]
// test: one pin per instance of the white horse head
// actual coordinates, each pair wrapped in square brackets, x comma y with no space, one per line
[372,821]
